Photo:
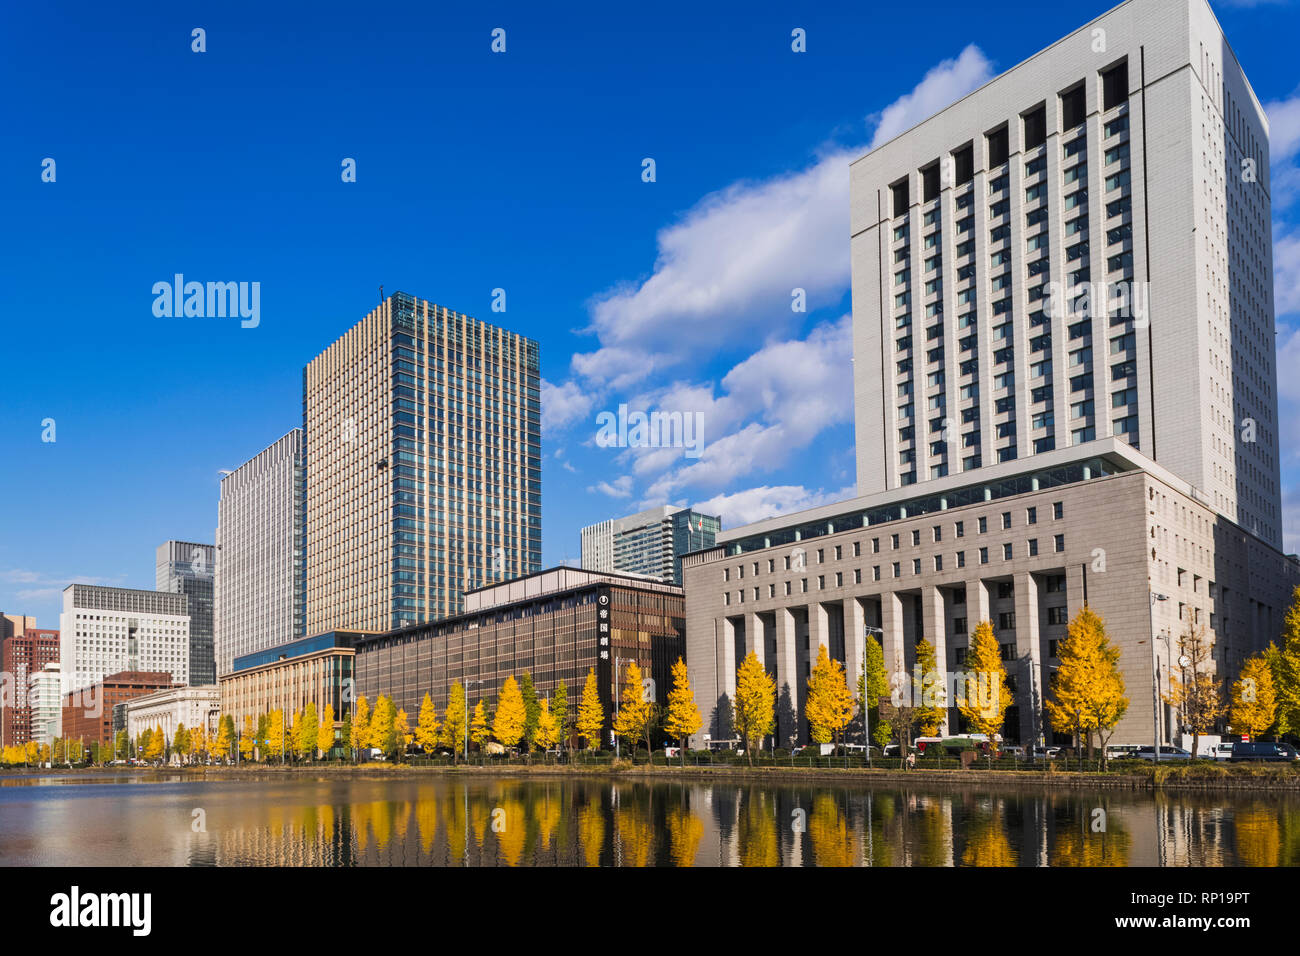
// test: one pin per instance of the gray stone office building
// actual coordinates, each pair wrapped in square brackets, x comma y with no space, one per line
[1025,548]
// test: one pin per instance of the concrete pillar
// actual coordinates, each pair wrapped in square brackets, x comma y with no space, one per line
[727,658]
[787,678]
[755,640]
[1029,692]
[977,604]
[936,631]
[891,622]
[819,629]
[854,621]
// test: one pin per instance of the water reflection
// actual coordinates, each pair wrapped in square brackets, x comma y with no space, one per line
[482,821]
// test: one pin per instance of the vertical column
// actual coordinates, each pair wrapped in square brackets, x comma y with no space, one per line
[935,628]
[854,621]
[787,681]
[1029,694]
[891,622]
[727,658]
[819,629]
[977,604]
[755,641]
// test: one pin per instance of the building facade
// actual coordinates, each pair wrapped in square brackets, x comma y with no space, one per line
[558,625]
[1025,548]
[259,597]
[1079,249]
[46,698]
[169,709]
[183,567]
[22,656]
[108,630]
[317,670]
[650,542]
[423,459]
[88,711]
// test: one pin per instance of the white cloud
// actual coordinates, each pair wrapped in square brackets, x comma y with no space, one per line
[621,487]
[941,87]
[766,501]
[563,404]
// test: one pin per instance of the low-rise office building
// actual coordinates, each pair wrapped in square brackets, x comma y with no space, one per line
[169,709]
[46,702]
[557,625]
[316,670]
[1025,547]
[88,711]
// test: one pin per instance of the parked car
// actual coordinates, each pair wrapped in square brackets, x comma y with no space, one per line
[1121,751]
[1167,752]
[891,750]
[1218,751]
[1014,752]
[1049,752]
[1254,750]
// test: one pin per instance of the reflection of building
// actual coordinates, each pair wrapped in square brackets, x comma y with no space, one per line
[88,711]
[183,567]
[170,708]
[46,704]
[1077,250]
[23,655]
[557,625]
[315,669]
[1024,548]
[422,439]
[259,598]
[650,542]
[108,630]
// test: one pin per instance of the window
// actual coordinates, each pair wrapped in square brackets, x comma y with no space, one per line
[1073,107]
[1058,511]
[997,143]
[916,565]
[1033,547]
[959,529]
[1007,621]
[959,626]
[875,573]
[930,183]
[961,559]
[1114,86]
[893,542]
[899,190]
[1058,542]
[1056,584]
[1031,516]
[1056,615]
[983,525]
[984,555]
[964,164]
[897,570]
[1006,552]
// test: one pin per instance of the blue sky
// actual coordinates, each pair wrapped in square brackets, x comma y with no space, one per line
[475,171]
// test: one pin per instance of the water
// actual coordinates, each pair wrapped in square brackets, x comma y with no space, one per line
[475,820]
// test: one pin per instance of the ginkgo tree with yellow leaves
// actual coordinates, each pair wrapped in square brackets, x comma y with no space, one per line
[1254,699]
[591,713]
[754,703]
[986,709]
[1087,689]
[511,716]
[829,705]
[683,717]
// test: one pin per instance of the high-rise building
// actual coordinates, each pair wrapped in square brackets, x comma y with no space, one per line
[259,597]
[107,630]
[422,444]
[1079,249]
[14,624]
[1065,396]
[650,542]
[22,656]
[183,567]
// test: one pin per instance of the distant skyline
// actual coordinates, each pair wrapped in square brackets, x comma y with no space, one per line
[476,171]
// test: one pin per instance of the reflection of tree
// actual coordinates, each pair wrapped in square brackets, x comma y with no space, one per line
[591,830]
[986,839]
[1258,835]
[932,835]
[828,832]
[685,830]
[426,816]
[513,832]
[635,833]
[880,813]
[546,814]
[454,814]
[757,830]
[1076,844]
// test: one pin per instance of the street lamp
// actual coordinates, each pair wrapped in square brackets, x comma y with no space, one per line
[1155,676]
[867,630]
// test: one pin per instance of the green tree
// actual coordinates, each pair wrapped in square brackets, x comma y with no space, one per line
[591,714]
[1284,664]
[345,734]
[308,732]
[511,717]
[754,704]
[873,685]
[560,710]
[532,710]
[181,742]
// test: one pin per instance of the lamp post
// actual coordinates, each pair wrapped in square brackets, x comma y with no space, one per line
[868,630]
[1155,674]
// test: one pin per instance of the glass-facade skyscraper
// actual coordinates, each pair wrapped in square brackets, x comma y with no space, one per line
[183,567]
[422,453]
